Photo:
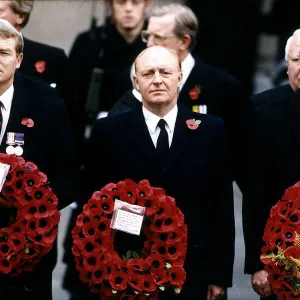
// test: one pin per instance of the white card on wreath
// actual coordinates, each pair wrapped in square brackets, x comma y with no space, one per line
[4,168]
[127,217]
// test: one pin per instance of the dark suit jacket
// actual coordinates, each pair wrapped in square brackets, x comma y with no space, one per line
[50,145]
[195,173]
[57,70]
[274,164]
[224,97]
[104,47]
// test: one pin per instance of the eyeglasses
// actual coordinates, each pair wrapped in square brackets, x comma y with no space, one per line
[158,38]
[123,2]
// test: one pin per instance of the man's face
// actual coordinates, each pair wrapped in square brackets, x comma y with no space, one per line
[129,14]
[294,64]
[9,61]
[7,13]
[160,33]
[158,77]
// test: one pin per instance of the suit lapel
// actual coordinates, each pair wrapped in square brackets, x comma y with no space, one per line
[138,132]
[180,137]
[18,111]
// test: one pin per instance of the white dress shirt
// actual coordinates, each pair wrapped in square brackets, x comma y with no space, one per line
[186,66]
[6,99]
[152,121]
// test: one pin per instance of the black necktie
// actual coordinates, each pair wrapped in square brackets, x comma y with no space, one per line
[162,145]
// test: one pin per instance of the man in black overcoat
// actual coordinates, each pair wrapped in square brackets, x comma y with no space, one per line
[274,163]
[48,143]
[204,88]
[194,169]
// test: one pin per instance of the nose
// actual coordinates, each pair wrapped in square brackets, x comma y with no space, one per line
[151,41]
[157,78]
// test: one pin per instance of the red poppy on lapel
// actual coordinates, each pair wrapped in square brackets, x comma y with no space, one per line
[195,92]
[27,122]
[40,66]
[193,124]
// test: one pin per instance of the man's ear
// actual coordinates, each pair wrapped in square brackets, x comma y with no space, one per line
[20,58]
[136,82]
[20,20]
[185,42]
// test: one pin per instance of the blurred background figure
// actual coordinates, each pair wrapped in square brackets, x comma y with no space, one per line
[228,35]
[112,48]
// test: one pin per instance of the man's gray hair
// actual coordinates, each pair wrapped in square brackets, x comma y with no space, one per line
[186,22]
[8,31]
[289,42]
[23,7]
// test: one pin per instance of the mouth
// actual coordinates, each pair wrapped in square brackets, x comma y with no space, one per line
[157,91]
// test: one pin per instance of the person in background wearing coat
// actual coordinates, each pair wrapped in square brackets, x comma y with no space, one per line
[274,162]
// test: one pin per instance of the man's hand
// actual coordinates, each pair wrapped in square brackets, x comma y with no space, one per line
[215,292]
[260,283]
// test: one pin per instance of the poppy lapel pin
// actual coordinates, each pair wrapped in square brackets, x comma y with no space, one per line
[193,124]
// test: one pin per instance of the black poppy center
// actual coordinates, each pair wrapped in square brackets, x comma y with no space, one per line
[158,223]
[42,208]
[148,203]
[92,261]
[89,247]
[173,275]
[155,264]
[98,274]
[294,218]
[105,206]
[4,248]
[288,235]
[30,182]
[43,223]
[19,184]
[162,250]
[118,280]
[32,210]
[38,195]
[172,250]
[91,231]
[168,221]
[102,226]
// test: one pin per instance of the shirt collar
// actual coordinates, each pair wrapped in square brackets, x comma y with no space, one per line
[137,94]
[151,119]
[186,66]
[6,97]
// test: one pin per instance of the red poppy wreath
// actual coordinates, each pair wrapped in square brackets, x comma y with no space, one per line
[32,227]
[159,266]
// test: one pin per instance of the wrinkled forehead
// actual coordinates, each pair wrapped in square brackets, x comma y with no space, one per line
[158,58]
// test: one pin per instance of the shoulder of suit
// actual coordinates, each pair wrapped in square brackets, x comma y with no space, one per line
[271,97]
[41,46]
[214,73]
[85,35]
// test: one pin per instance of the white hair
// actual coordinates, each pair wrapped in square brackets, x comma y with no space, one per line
[289,42]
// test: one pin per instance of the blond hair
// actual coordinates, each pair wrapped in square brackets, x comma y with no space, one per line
[8,31]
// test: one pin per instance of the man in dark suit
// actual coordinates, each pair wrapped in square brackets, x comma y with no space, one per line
[48,144]
[274,164]
[191,165]
[43,62]
[204,89]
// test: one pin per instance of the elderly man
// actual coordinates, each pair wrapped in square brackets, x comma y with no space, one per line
[154,142]
[274,162]
[48,144]
[203,89]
